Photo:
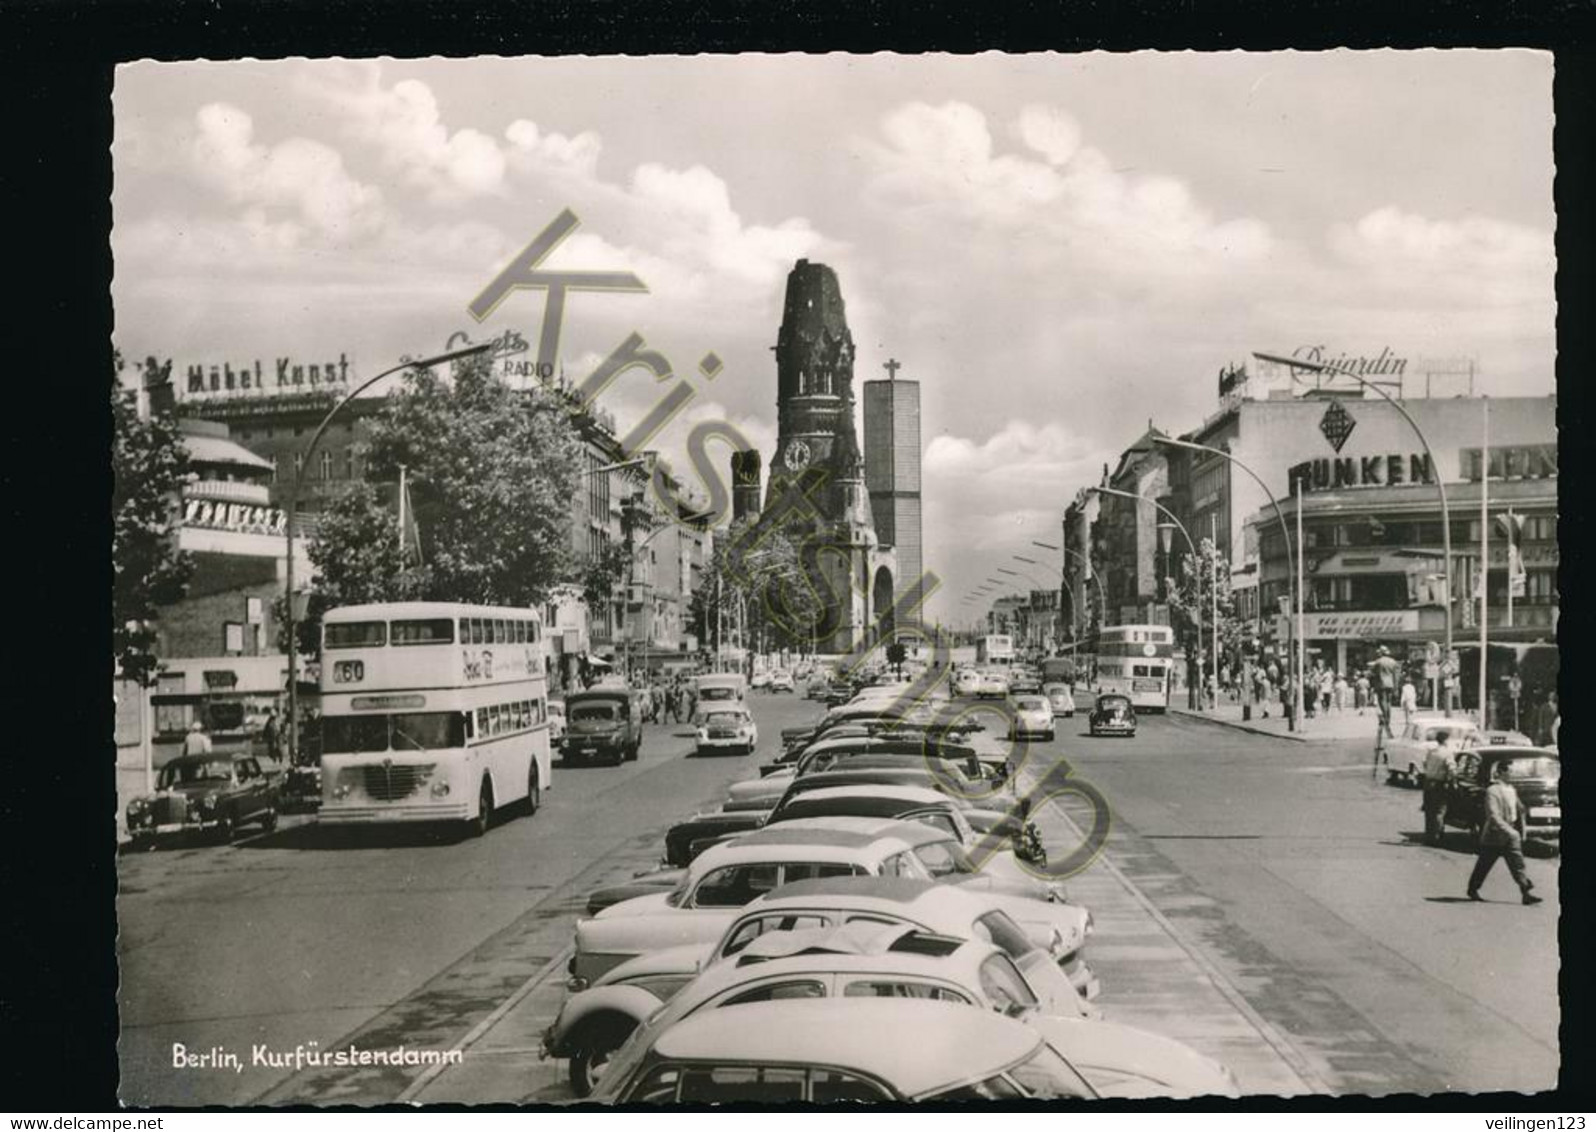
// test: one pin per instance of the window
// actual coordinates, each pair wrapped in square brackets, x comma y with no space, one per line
[406,731]
[354,634]
[517,632]
[830,1086]
[326,465]
[299,460]
[795,872]
[901,988]
[349,462]
[495,720]
[439,631]
[274,467]
[751,930]
[1004,986]
[777,992]
[940,858]
[482,723]
[759,1084]
[478,633]
[734,886]
[658,1087]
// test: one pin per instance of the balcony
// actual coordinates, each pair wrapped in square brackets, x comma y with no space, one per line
[230,491]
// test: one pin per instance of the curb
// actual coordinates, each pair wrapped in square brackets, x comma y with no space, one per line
[1238,725]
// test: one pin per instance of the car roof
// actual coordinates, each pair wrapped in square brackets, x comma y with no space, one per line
[1113,696]
[215,757]
[1497,752]
[877,790]
[862,892]
[949,1048]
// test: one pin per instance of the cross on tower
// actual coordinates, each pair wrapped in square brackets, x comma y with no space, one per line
[892,366]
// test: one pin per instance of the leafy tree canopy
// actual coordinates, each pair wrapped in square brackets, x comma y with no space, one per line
[150,463]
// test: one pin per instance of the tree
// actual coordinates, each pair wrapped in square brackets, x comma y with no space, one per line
[1191,606]
[492,471]
[150,463]
[357,558]
[757,574]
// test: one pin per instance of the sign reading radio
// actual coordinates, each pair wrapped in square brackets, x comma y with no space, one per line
[234,517]
[1361,471]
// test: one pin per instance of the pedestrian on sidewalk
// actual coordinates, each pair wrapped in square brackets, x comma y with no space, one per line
[1343,692]
[1410,701]
[1361,689]
[1265,692]
[1440,770]
[1327,690]
[196,742]
[1502,837]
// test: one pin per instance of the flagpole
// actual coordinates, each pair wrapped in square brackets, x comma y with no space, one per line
[401,515]
[1485,547]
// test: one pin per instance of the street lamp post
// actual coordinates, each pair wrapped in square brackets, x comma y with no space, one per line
[1285,533]
[1435,470]
[293,515]
[1197,616]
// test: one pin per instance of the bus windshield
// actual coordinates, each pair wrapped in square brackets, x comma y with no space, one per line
[403,731]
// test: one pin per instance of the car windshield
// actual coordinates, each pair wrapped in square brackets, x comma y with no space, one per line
[1030,703]
[717,694]
[724,719]
[183,774]
[593,713]
[1534,766]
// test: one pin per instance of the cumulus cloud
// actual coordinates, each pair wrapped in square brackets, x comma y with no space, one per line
[298,174]
[534,151]
[942,160]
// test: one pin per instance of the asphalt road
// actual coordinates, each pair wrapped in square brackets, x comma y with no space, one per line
[1306,878]
[313,935]
[1287,870]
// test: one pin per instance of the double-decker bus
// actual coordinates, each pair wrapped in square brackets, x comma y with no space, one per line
[997,649]
[432,711]
[1136,661]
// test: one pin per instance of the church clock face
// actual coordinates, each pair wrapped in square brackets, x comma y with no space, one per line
[796,455]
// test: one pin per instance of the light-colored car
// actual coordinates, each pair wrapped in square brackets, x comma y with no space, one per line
[596,1019]
[727,729]
[1032,717]
[724,878]
[781,681]
[834,1051]
[761,680]
[1422,735]
[897,962]
[967,682]
[994,685]
[1062,699]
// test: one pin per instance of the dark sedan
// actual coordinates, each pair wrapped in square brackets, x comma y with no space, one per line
[205,793]
[1113,715]
[1534,773]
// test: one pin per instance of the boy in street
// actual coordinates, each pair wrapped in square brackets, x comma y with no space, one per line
[1503,837]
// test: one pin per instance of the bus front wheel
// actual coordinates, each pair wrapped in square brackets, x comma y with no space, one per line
[479,825]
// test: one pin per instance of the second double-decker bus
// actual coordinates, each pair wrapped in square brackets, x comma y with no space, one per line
[432,711]
[1136,661]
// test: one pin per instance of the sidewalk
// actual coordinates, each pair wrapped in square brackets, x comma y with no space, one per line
[1331,727]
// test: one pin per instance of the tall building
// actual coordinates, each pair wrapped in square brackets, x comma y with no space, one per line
[817,451]
[892,471]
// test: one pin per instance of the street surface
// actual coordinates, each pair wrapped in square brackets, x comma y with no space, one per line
[1269,902]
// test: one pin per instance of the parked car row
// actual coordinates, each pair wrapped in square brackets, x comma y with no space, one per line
[856,923]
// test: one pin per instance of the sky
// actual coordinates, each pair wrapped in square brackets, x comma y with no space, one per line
[1062,249]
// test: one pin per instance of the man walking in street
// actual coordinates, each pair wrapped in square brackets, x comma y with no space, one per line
[1440,768]
[1503,837]
[1410,701]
